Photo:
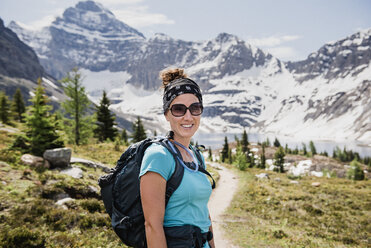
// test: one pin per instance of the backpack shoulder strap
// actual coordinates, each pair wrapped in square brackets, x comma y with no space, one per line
[176,178]
[202,168]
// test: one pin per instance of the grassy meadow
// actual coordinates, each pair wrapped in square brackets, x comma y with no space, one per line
[279,212]
[275,212]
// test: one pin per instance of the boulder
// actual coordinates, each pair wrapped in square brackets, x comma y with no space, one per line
[59,157]
[74,172]
[35,161]
[262,176]
[316,184]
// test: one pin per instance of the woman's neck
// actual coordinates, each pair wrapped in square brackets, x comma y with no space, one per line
[184,141]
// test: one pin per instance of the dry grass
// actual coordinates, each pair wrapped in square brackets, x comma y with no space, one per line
[278,213]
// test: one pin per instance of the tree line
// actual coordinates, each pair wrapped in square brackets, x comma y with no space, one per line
[243,158]
[71,124]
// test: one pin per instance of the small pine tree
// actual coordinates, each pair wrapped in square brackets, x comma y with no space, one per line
[76,107]
[296,150]
[18,107]
[230,157]
[276,142]
[240,161]
[105,121]
[312,148]
[304,149]
[355,172]
[279,160]
[210,156]
[225,150]
[262,158]
[124,136]
[41,133]
[286,149]
[244,141]
[4,108]
[138,131]
[155,133]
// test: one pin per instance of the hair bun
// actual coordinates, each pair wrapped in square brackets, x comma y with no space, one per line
[169,75]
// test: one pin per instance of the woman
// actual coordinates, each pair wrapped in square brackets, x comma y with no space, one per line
[187,209]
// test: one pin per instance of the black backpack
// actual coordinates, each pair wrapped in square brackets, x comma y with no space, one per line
[120,191]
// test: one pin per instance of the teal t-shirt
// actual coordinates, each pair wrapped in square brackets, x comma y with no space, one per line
[188,204]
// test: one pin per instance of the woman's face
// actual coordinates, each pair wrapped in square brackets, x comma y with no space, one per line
[184,127]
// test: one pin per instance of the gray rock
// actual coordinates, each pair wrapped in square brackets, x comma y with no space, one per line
[59,157]
[74,172]
[262,176]
[35,161]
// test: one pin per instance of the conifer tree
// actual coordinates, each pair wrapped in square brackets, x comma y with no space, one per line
[230,157]
[279,159]
[240,161]
[312,148]
[124,136]
[276,142]
[138,131]
[225,150]
[210,156]
[304,149]
[154,133]
[262,158]
[18,107]
[105,121]
[76,106]
[41,133]
[244,141]
[286,149]
[4,108]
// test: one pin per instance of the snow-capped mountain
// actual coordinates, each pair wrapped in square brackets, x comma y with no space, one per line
[88,36]
[326,96]
[332,97]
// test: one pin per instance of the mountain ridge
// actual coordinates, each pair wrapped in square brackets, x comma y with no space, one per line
[244,86]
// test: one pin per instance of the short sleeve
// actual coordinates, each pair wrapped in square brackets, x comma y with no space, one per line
[157,159]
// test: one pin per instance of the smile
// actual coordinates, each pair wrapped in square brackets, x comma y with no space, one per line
[187,126]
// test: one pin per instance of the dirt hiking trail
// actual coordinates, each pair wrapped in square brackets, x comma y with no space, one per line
[219,201]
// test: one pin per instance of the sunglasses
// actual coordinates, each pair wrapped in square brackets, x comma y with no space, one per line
[179,110]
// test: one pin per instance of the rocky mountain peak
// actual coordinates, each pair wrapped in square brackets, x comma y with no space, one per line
[225,37]
[16,58]
[94,17]
[336,58]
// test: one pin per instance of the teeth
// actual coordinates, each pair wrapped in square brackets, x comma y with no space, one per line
[187,125]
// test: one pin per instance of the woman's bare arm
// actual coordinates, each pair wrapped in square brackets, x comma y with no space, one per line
[152,191]
[211,242]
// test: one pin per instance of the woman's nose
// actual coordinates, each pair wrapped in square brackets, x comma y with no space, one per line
[188,114]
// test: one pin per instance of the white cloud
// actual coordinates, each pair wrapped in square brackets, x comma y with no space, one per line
[275,45]
[43,22]
[272,40]
[138,16]
[284,53]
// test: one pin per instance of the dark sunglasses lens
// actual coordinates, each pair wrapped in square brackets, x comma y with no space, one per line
[178,109]
[195,108]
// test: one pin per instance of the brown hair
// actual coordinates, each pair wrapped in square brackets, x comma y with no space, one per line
[169,75]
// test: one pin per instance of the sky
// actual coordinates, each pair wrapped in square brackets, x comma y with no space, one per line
[288,29]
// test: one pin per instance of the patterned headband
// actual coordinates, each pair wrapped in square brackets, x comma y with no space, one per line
[178,87]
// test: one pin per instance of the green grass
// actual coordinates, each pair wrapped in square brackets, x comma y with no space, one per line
[29,216]
[277,213]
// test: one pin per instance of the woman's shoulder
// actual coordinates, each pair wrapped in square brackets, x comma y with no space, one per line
[158,159]
[157,150]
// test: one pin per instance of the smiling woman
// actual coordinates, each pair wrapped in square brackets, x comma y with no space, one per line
[185,220]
